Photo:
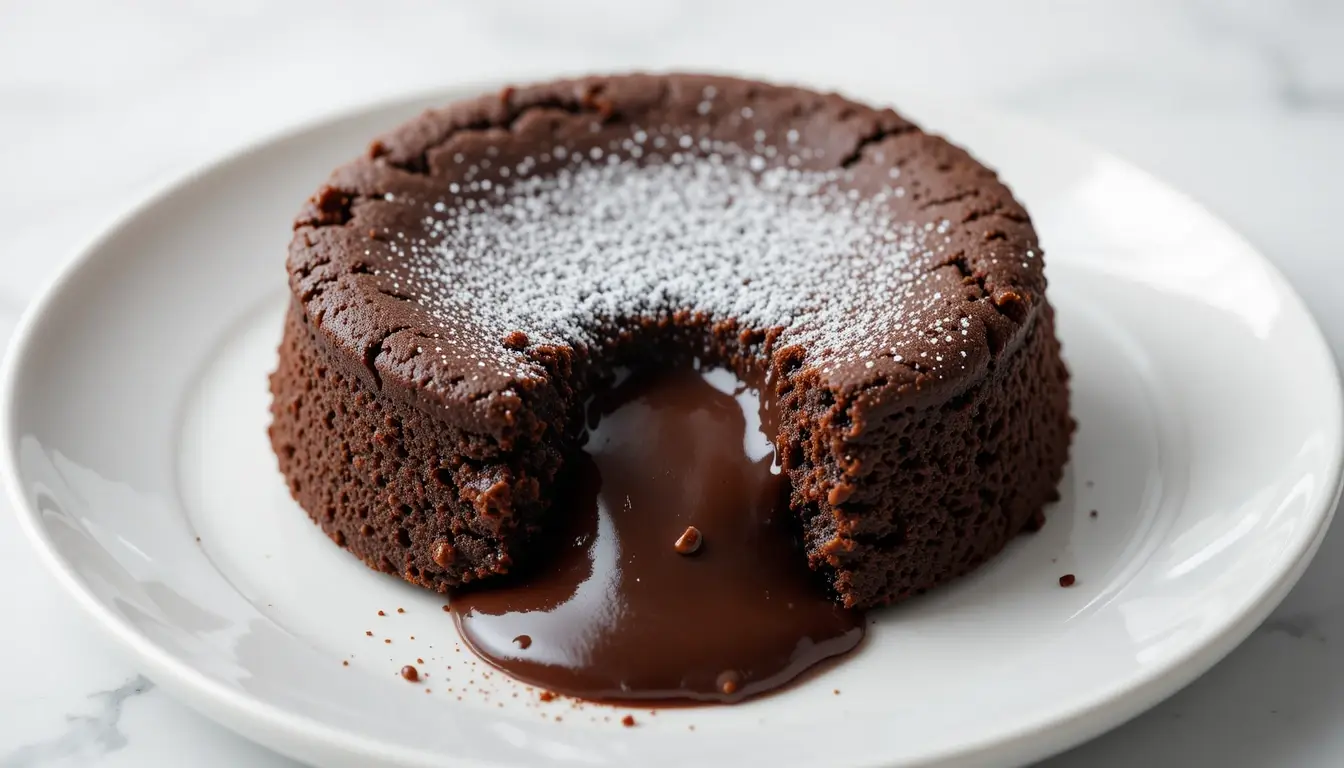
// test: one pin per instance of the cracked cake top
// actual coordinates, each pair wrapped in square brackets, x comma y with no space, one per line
[476,246]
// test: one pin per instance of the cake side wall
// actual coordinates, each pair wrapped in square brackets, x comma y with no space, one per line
[926,494]
[387,483]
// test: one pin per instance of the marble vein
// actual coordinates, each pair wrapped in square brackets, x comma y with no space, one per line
[86,736]
[1277,47]
[1298,626]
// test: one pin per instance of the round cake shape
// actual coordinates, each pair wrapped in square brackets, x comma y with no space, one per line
[464,287]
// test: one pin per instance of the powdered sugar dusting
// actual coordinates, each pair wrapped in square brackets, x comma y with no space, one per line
[661,223]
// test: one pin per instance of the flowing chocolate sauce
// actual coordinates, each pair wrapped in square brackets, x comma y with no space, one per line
[634,605]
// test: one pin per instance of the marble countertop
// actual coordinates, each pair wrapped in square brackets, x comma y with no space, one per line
[1239,103]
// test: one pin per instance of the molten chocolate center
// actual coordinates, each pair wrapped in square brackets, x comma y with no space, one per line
[626,608]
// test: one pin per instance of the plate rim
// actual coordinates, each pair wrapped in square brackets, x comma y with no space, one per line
[251,716]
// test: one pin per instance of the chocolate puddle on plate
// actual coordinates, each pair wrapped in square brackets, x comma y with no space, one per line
[630,608]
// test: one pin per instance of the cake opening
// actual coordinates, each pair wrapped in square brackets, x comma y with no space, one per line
[674,572]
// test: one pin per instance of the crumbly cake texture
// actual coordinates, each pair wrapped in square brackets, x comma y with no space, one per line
[461,290]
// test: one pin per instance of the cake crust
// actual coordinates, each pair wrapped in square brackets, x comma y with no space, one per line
[923,406]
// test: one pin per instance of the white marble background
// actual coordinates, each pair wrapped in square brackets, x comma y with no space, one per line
[1239,103]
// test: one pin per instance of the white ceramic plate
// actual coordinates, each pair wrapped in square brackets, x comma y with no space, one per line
[134,445]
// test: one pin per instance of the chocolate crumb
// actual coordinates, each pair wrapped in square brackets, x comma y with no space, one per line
[446,609]
[1067,580]
[516,340]
[524,641]
[401,610]
[546,696]
[728,682]
[836,691]
[444,555]
[410,673]
[387,640]
[345,663]
[689,542]
[419,661]
[1093,513]
[628,721]
[839,494]
[380,613]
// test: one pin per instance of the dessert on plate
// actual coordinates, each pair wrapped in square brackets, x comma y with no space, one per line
[669,302]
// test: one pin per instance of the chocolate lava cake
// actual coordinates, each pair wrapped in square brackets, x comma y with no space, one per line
[463,288]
